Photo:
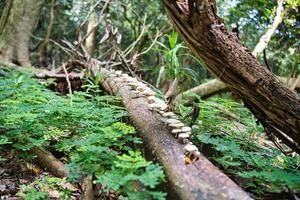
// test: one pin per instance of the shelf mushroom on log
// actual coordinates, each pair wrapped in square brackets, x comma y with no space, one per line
[199,180]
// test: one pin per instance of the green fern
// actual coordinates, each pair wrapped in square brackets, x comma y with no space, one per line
[90,131]
[237,152]
[130,170]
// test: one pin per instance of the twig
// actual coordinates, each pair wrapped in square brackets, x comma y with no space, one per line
[296,82]
[133,27]
[134,12]
[131,47]
[88,15]
[150,47]
[68,51]
[273,139]
[99,21]
[68,80]
[73,49]
[46,74]
[123,59]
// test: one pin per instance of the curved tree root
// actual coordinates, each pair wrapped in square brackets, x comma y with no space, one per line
[47,160]
[87,188]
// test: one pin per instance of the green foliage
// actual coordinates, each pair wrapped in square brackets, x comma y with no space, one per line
[173,65]
[237,150]
[171,54]
[93,132]
[131,173]
[39,117]
[255,17]
[39,190]
[90,131]
[4,140]
[92,84]
[33,194]
[95,152]
[133,16]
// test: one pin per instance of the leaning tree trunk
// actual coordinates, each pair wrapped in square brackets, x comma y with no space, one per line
[274,105]
[215,86]
[17,21]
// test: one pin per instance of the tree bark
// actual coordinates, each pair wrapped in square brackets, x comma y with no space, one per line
[17,22]
[275,106]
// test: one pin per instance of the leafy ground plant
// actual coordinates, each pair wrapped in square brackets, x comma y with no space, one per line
[89,130]
[241,149]
[45,188]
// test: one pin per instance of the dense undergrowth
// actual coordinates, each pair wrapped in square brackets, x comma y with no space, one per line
[91,131]
[228,134]
[87,129]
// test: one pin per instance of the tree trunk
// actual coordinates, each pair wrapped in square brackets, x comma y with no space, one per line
[17,22]
[90,40]
[275,106]
[44,45]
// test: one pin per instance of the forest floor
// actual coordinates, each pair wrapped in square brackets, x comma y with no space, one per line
[91,134]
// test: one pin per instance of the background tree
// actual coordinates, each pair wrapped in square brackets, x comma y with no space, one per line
[90,40]
[17,22]
[254,17]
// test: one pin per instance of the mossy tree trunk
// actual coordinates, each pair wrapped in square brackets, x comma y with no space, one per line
[18,19]
[273,104]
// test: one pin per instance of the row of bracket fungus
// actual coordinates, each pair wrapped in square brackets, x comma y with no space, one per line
[200,180]
[177,128]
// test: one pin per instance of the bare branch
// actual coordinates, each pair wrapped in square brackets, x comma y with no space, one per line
[67,79]
[264,40]
[98,23]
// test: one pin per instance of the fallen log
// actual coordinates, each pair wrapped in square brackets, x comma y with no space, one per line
[215,86]
[199,180]
[205,90]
